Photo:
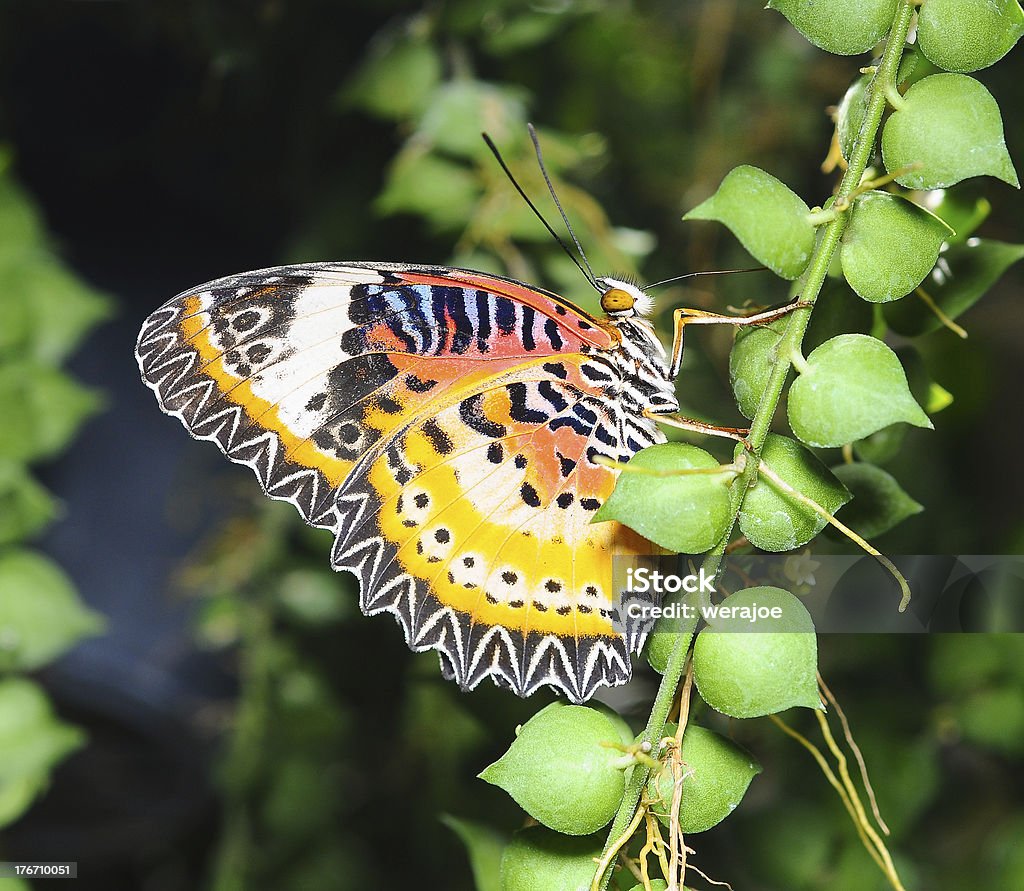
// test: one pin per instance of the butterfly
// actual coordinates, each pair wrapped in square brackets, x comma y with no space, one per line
[452,429]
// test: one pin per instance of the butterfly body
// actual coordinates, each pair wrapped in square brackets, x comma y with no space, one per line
[444,425]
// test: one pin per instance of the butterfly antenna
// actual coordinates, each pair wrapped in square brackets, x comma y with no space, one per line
[587,273]
[679,278]
[554,197]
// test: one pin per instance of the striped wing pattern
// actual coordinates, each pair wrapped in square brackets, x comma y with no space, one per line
[442,424]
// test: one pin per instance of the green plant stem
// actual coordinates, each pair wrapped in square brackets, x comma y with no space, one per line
[883,81]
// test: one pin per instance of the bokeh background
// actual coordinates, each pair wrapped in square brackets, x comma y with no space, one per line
[239,724]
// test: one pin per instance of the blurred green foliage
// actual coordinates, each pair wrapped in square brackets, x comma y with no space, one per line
[45,313]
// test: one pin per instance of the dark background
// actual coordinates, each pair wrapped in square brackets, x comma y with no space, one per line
[169,144]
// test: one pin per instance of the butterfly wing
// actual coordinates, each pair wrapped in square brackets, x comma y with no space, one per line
[442,423]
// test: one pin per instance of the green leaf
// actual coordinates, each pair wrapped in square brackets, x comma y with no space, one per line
[63,309]
[773,521]
[21,226]
[908,64]
[485,848]
[878,503]
[950,125]
[538,859]
[770,220]
[397,80]
[42,409]
[853,385]
[750,363]
[45,310]
[889,246]
[716,774]
[32,742]
[560,770]
[965,272]
[522,31]
[15,319]
[16,797]
[924,390]
[850,114]
[656,885]
[462,108]
[442,192]
[747,669]
[41,616]
[839,26]
[25,506]
[881,446]
[965,35]
[960,210]
[687,513]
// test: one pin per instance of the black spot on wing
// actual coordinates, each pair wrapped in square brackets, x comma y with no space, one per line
[504,314]
[596,375]
[553,335]
[418,385]
[483,321]
[246,321]
[258,353]
[388,405]
[552,394]
[520,411]
[602,434]
[472,413]
[316,402]
[440,440]
[529,495]
[573,422]
[529,315]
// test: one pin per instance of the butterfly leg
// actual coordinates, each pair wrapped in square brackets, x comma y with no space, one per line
[736,433]
[683,317]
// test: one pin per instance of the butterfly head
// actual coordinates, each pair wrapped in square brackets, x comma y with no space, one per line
[621,299]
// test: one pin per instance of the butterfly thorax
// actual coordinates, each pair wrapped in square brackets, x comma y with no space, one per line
[643,368]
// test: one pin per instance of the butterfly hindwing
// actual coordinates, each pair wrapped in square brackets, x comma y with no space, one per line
[442,423]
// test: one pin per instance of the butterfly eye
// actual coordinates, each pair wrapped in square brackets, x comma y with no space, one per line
[617,300]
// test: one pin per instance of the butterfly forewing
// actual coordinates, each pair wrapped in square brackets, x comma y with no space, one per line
[443,424]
